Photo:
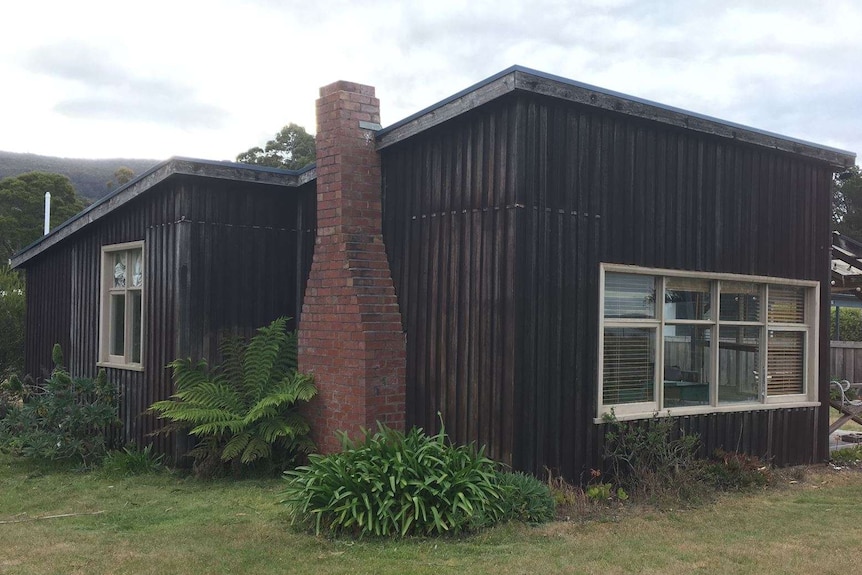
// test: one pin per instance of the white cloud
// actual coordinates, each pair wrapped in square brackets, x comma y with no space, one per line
[211,79]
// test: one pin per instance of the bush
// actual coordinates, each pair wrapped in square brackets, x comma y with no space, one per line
[12,303]
[847,457]
[132,461]
[64,418]
[851,324]
[650,457]
[525,498]
[246,409]
[727,471]
[392,484]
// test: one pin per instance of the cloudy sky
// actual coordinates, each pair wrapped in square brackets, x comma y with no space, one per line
[210,79]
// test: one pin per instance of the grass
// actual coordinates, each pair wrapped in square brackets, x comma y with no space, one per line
[167,524]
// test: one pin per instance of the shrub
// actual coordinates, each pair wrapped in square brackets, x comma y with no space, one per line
[246,409]
[650,457]
[389,483]
[64,418]
[847,457]
[729,471]
[525,498]
[132,461]
[12,304]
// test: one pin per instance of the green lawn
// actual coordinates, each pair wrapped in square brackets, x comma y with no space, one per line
[165,524]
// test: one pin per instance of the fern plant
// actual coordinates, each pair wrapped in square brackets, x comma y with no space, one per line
[245,408]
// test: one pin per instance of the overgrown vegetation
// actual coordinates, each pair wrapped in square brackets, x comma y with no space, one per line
[246,409]
[390,483]
[847,456]
[657,461]
[12,305]
[132,461]
[65,418]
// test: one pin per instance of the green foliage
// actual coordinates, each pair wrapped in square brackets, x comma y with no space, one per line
[727,471]
[87,176]
[246,409]
[847,204]
[851,324]
[132,461]
[649,456]
[847,457]
[22,208]
[122,176]
[12,305]
[65,418]
[525,498]
[292,149]
[390,483]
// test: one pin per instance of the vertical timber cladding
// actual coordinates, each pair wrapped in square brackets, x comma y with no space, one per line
[449,225]
[48,311]
[249,257]
[495,224]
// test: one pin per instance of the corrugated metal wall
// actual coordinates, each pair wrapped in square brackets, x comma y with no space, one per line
[554,189]
[183,222]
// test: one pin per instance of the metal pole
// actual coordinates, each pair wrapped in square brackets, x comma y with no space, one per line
[47,212]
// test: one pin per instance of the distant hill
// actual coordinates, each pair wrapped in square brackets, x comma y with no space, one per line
[88,176]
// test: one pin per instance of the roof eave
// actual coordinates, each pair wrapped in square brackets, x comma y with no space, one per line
[151,178]
[518,78]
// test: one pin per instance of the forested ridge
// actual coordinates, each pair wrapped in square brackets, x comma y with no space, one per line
[90,177]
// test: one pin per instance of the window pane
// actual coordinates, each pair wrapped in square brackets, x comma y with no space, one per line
[629,365]
[629,295]
[786,304]
[120,269]
[785,363]
[740,301]
[686,365]
[118,324]
[137,268]
[135,333]
[686,298]
[738,364]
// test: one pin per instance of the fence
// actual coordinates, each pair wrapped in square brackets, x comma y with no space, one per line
[845,360]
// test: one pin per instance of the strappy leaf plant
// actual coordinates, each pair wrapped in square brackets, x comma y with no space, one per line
[245,409]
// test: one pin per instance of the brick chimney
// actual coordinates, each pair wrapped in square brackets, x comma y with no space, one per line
[350,334]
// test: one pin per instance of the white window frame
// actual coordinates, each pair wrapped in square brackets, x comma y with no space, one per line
[106,359]
[809,327]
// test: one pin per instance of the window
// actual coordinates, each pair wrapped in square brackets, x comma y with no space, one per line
[122,329]
[697,342]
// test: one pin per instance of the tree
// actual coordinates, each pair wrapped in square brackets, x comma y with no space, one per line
[122,175]
[292,149]
[847,203]
[22,201]
[11,322]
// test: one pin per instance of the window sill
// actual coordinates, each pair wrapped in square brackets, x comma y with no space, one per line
[683,411]
[126,366]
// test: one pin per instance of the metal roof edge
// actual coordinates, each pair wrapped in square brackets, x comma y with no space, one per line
[152,177]
[555,86]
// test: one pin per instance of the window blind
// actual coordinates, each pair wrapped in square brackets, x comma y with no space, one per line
[785,363]
[629,365]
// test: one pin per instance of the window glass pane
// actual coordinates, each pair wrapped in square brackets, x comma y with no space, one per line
[135,332]
[137,268]
[738,364]
[786,304]
[686,298]
[785,362]
[119,269]
[740,301]
[629,365]
[118,324]
[686,365]
[629,296]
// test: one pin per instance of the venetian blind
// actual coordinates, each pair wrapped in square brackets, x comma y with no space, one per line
[785,363]
[786,304]
[629,365]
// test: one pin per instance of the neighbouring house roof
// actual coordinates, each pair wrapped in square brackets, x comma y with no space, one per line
[520,79]
[174,166]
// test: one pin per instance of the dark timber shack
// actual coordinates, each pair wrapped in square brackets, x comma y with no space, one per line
[552,251]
